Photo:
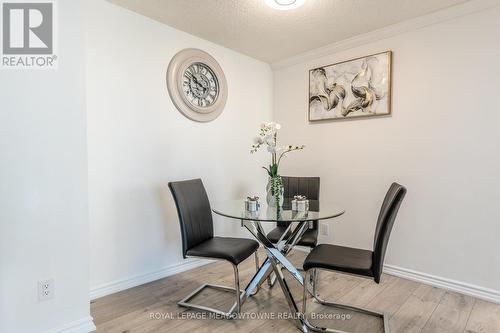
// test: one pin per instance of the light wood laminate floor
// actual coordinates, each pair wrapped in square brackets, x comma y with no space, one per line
[413,307]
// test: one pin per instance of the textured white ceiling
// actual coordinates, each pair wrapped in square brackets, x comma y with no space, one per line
[252,28]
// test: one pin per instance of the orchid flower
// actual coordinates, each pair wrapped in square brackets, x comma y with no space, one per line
[268,136]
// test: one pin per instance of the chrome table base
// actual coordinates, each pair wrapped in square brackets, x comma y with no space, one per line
[275,261]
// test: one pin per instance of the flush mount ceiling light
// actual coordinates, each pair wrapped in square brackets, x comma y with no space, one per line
[284,4]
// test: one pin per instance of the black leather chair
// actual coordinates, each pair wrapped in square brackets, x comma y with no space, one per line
[195,218]
[359,262]
[308,186]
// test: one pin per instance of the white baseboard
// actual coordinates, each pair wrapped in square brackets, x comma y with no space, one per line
[84,325]
[123,284]
[449,284]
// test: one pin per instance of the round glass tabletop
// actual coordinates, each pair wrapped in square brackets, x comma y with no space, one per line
[235,209]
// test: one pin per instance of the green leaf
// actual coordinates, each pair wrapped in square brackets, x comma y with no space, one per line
[273,170]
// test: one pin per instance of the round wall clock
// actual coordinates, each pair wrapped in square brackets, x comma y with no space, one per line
[197,85]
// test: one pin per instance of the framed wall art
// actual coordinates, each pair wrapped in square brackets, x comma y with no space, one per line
[359,87]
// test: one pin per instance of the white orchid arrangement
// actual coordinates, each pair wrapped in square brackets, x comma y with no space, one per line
[268,136]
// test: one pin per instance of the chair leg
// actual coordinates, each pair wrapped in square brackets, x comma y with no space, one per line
[270,282]
[271,279]
[237,288]
[305,295]
[235,308]
[257,266]
[314,281]
[312,277]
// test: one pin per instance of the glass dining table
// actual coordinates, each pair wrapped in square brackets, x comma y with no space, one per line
[276,260]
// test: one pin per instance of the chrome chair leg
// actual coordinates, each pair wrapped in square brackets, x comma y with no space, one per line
[257,266]
[314,281]
[235,308]
[305,294]
[270,281]
[312,277]
[237,288]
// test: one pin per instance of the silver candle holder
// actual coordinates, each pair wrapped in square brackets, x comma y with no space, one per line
[252,204]
[300,203]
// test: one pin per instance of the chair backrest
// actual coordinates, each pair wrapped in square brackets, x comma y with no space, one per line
[195,214]
[308,186]
[385,221]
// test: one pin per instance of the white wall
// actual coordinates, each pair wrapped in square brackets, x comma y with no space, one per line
[138,142]
[442,142]
[43,191]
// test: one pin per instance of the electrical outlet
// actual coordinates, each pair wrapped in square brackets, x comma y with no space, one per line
[323,229]
[45,290]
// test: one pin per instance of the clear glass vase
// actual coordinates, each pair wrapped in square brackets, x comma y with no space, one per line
[275,192]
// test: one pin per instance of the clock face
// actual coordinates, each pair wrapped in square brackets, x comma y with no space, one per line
[197,85]
[200,85]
